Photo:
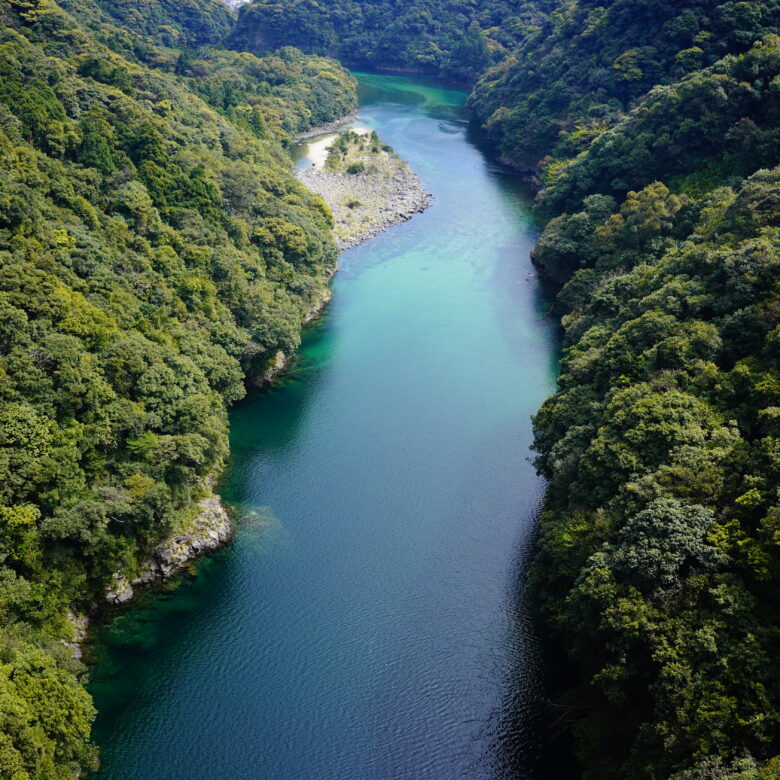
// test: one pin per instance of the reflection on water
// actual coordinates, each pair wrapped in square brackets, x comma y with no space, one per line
[368,621]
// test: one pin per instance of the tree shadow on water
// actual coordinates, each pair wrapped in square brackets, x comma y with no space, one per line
[530,735]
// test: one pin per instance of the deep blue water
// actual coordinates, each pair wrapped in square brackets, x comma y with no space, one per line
[366,622]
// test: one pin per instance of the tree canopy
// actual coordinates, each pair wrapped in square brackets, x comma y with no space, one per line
[156,251]
[657,564]
[456,40]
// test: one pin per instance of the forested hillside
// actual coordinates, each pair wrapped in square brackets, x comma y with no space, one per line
[571,79]
[654,130]
[189,23]
[457,40]
[155,250]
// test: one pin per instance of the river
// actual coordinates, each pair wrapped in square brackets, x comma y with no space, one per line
[367,621]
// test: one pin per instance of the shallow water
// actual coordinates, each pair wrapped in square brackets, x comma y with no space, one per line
[366,622]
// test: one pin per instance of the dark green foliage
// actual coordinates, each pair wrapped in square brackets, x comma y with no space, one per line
[155,251]
[268,26]
[727,115]
[470,56]
[570,80]
[654,131]
[457,40]
[658,564]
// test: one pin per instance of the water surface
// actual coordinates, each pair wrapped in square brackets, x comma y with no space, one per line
[366,622]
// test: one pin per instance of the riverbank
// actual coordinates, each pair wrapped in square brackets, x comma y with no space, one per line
[328,127]
[367,187]
[211,527]
[209,530]
[348,626]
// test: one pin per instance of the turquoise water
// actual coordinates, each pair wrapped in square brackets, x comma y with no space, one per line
[367,622]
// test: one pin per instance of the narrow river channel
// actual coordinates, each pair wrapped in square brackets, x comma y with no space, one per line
[367,623]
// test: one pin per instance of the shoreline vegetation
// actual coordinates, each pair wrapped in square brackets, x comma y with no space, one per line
[157,254]
[158,257]
[396,195]
[327,127]
[210,529]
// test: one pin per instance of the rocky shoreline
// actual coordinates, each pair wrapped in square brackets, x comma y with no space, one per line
[210,529]
[366,186]
[328,127]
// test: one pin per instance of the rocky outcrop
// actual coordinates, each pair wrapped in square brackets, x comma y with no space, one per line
[380,201]
[328,127]
[367,187]
[210,529]
[80,625]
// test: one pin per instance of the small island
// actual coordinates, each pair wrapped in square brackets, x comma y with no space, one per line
[367,187]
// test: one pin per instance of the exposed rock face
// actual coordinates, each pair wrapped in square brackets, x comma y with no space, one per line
[278,364]
[211,529]
[80,628]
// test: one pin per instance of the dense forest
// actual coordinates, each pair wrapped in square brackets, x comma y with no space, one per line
[457,40]
[155,250]
[569,81]
[653,130]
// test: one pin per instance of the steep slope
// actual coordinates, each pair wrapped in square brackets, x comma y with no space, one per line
[658,565]
[455,40]
[654,132]
[189,23]
[566,83]
[155,250]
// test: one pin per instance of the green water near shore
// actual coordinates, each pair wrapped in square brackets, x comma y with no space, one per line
[367,620]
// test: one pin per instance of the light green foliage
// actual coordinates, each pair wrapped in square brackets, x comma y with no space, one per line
[654,545]
[155,251]
[45,715]
[280,94]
